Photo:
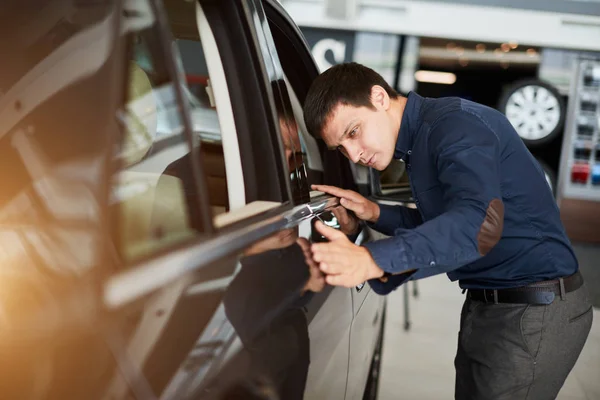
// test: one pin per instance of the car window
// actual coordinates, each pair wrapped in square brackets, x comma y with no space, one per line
[155,194]
[294,151]
[322,167]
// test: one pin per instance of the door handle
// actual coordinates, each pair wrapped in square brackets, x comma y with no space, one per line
[329,219]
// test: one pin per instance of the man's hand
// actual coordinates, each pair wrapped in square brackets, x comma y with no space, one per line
[363,208]
[344,263]
[347,220]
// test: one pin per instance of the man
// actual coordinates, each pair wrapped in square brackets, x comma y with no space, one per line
[485,216]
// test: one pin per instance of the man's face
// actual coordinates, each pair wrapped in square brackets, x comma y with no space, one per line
[365,136]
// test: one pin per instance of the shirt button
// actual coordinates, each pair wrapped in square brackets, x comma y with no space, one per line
[409,152]
[432,263]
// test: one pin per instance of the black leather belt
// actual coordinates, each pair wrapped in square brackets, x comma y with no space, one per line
[537,293]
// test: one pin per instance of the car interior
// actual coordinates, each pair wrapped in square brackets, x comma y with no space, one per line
[161,214]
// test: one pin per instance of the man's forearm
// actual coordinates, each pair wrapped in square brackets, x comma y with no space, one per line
[391,218]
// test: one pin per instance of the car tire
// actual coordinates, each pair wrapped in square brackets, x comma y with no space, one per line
[550,176]
[535,109]
[372,387]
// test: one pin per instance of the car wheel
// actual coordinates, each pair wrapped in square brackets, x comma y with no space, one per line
[550,175]
[373,381]
[535,109]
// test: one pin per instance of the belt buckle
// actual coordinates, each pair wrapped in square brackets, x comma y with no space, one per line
[494,296]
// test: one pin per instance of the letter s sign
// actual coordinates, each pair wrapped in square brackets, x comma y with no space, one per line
[319,50]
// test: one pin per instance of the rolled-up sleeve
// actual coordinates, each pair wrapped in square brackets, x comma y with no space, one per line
[466,154]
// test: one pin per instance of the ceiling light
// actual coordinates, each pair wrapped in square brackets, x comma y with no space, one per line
[442,78]
[531,52]
[480,48]
[513,45]
[505,47]
[451,46]
[463,61]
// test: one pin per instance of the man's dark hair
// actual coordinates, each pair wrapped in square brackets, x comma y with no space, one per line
[349,84]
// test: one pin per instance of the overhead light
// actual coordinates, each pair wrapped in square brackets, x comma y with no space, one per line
[513,45]
[480,48]
[505,47]
[463,61]
[451,46]
[442,78]
[460,50]
[531,52]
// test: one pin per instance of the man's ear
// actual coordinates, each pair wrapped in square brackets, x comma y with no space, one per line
[380,98]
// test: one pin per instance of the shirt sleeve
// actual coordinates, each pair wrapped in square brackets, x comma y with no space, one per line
[466,154]
[392,217]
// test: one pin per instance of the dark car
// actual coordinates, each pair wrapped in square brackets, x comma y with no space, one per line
[155,240]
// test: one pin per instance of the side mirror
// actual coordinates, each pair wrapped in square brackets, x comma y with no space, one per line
[329,219]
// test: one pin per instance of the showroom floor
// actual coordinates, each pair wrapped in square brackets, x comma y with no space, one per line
[418,365]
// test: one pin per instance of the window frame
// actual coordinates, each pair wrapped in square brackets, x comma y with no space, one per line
[251,98]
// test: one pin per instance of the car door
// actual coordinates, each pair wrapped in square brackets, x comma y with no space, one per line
[255,299]
[367,307]
[329,313]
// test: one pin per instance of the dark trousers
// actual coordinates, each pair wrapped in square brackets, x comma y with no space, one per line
[520,351]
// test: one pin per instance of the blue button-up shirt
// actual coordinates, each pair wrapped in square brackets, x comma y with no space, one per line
[460,156]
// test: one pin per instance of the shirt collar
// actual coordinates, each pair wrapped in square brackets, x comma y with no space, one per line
[408,126]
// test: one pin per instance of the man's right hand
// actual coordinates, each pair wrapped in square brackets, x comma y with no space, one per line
[362,208]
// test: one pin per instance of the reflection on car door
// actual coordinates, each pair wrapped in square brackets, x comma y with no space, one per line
[367,307]
[330,312]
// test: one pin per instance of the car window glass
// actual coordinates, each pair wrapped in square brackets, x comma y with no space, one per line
[294,153]
[155,190]
[394,176]
[204,119]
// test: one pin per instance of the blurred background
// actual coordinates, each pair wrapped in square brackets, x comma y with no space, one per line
[536,61]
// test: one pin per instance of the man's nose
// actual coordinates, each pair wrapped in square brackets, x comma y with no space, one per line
[355,154]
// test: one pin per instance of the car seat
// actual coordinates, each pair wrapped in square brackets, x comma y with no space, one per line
[153,209]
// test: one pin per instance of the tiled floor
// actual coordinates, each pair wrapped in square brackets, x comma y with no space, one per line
[418,364]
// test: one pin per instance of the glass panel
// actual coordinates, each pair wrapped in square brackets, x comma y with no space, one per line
[205,123]
[155,190]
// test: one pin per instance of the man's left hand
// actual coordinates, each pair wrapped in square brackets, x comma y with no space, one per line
[343,262]
[348,222]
